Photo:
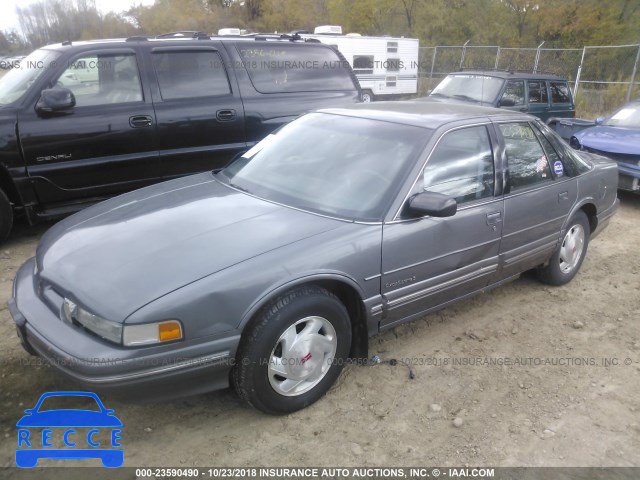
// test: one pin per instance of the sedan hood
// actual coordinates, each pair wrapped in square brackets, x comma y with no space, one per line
[124,253]
[611,139]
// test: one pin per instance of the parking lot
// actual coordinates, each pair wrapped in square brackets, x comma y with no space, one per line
[537,375]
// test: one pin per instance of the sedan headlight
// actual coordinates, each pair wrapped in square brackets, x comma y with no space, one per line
[128,335]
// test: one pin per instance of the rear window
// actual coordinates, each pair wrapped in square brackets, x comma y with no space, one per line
[295,68]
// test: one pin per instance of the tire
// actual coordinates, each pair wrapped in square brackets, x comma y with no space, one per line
[6,216]
[292,351]
[367,96]
[566,261]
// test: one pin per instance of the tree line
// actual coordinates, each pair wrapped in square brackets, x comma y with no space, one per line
[512,23]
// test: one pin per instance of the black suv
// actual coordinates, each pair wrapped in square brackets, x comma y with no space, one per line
[80,122]
[544,96]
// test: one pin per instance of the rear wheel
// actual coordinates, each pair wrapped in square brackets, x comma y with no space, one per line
[293,351]
[6,216]
[566,261]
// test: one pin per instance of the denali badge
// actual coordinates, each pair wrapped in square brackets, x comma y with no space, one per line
[49,158]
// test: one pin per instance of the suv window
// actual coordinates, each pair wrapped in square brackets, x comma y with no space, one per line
[513,93]
[102,79]
[538,92]
[461,165]
[560,92]
[190,74]
[528,163]
[292,68]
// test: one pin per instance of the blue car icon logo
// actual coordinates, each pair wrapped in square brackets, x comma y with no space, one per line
[67,427]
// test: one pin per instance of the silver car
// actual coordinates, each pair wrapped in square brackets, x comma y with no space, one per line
[272,273]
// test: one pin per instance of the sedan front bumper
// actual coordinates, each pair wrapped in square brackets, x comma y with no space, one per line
[157,372]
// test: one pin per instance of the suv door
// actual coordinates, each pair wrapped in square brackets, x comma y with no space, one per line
[104,145]
[538,197]
[429,261]
[513,97]
[198,107]
[561,99]
[538,96]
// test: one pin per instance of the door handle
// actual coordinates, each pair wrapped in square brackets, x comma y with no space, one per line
[493,218]
[563,196]
[226,115]
[139,121]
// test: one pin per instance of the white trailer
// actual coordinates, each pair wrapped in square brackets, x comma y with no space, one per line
[385,66]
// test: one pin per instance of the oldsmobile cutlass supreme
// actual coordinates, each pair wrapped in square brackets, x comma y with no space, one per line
[272,272]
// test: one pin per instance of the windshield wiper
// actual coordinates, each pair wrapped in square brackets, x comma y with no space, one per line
[434,94]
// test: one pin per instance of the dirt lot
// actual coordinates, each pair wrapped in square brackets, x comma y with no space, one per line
[560,406]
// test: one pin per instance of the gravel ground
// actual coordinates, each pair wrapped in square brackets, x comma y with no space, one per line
[570,397]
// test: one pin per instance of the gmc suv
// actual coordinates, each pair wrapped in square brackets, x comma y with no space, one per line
[81,122]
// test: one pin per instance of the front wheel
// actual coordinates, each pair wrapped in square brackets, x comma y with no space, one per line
[566,261]
[367,96]
[6,216]
[293,351]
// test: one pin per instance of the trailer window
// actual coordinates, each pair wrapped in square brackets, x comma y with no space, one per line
[392,47]
[362,64]
[393,64]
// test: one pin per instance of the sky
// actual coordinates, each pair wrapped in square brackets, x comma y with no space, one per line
[9,19]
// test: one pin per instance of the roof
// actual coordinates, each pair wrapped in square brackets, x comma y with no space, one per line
[421,113]
[509,74]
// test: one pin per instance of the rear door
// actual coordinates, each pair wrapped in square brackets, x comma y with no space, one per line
[104,145]
[538,97]
[198,108]
[429,261]
[538,197]
[561,99]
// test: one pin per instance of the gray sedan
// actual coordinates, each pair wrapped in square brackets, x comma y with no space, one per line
[272,273]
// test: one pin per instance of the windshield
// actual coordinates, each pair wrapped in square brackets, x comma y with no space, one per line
[337,165]
[18,80]
[627,116]
[476,88]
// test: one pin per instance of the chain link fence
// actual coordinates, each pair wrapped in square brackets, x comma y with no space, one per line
[602,77]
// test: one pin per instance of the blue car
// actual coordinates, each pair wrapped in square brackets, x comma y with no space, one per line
[63,420]
[616,137]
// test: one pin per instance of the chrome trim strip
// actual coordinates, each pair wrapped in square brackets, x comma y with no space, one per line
[440,286]
[373,277]
[535,226]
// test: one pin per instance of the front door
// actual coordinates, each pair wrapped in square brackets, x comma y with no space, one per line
[429,261]
[104,145]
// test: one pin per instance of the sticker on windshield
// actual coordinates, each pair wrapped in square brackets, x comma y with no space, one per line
[558,168]
[623,114]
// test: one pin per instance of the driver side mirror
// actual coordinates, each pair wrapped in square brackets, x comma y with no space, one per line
[56,100]
[507,102]
[599,120]
[433,204]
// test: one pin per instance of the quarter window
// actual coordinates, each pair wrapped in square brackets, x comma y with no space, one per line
[461,165]
[513,94]
[190,74]
[103,79]
[528,164]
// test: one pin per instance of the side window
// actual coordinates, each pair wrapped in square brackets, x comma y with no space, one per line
[392,47]
[393,64]
[291,67]
[558,167]
[461,165]
[362,64]
[560,92]
[528,164]
[538,92]
[574,165]
[190,74]
[103,79]
[513,94]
